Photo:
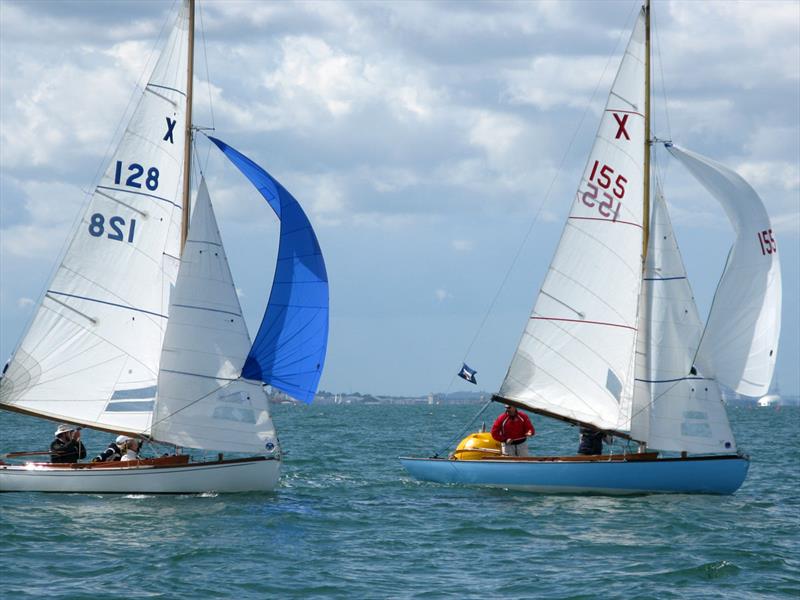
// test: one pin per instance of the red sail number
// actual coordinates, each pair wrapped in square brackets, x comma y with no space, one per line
[604,179]
[603,175]
[767,241]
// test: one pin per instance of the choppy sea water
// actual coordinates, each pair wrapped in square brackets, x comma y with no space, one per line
[347,522]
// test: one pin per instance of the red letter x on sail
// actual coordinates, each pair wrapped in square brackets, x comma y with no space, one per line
[621,122]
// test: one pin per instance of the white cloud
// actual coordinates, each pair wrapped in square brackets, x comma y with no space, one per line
[787,223]
[462,245]
[553,81]
[780,174]
[25,302]
[441,295]
[496,133]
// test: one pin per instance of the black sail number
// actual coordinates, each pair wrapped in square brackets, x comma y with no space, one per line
[118,229]
[134,180]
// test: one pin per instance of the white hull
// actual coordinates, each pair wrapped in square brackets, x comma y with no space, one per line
[243,475]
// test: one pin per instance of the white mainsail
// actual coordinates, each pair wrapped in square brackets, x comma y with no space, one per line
[575,358]
[675,408]
[202,402]
[91,353]
[740,344]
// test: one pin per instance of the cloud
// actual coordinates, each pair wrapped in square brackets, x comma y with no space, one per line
[25,302]
[39,231]
[779,174]
[462,245]
[441,295]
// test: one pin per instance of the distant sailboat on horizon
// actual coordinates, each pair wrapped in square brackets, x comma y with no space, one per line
[615,342]
[140,331]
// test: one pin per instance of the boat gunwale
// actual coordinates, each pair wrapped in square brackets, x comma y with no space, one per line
[145,464]
[593,459]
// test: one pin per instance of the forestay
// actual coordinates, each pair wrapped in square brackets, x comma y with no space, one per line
[575,359]
[740,343]
[289,350]
[675,409]
[91,353]
[202,402]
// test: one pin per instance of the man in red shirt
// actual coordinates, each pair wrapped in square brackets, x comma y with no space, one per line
[512,429]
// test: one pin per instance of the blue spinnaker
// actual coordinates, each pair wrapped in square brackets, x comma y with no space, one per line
[289,350]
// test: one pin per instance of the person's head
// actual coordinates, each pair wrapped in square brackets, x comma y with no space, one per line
[125,443]
[66,431]
[511,410]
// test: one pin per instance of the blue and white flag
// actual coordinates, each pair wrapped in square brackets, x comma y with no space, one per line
[468,374]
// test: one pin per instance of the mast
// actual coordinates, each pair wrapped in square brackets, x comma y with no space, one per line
[646,199]
[187,153]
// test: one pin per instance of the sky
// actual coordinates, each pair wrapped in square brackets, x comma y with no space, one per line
[436,147]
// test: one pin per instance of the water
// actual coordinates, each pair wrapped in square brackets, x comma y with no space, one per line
[347,522]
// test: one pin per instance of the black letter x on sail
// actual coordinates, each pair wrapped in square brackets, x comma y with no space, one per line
[171,127]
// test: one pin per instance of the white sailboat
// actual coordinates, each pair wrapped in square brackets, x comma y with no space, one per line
[615,342]
[140,331]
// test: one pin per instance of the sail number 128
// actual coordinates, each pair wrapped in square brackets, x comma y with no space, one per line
[136,172]
[116,226]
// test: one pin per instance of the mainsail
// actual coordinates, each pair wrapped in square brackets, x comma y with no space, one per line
[289,350]
[575,358]
[91,353]
[675,407]
[202,402]
[740,343]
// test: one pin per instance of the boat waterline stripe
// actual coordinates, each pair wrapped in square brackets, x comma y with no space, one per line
[113,189]
[584,321]
[216,310]
[662,278]
[164,87]
[630,112]
[141,310]
[607,221]
[674,380]
[137,470]
[199,375]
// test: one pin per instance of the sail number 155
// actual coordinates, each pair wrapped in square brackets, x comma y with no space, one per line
[768,245]
[604,176]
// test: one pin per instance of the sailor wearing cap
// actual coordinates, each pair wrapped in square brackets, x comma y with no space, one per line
[119,449]
[67,447]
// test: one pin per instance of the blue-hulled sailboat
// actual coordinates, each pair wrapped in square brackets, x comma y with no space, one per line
[615,342]
[140,331]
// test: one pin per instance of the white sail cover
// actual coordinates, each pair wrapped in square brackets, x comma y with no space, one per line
[576,356]
[202,402]
[92,351]
[740,344]
[675,409]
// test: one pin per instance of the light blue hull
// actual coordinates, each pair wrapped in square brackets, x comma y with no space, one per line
[694,475]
